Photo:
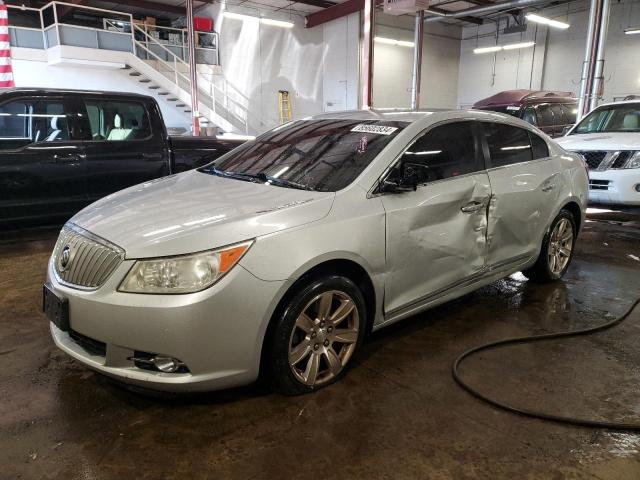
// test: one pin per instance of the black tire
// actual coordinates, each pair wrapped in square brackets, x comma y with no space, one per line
[278,372]
[541,271]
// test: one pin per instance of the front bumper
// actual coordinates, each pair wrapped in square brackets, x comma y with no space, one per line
[216,333]
[614,186]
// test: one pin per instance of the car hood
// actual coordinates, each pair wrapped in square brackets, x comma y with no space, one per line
[195,211]
[601,141]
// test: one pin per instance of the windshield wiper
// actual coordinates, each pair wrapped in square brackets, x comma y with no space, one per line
[262,177]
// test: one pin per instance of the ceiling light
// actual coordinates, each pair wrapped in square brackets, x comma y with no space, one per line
[265,21]
[497,48]
[515,46]
[546,21]
[391,41]
[276,23]
[239,16]
[632,30]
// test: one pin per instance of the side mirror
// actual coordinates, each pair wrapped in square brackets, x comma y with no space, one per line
[565,130]
[407,181]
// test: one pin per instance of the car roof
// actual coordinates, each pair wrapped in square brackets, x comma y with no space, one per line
[621,102]
[520,97]
[47,91]
[382,114]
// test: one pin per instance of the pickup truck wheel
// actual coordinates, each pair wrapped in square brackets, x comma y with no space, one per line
[316,335]
[557,250]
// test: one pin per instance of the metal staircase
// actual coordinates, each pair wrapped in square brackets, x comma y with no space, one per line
[220,106]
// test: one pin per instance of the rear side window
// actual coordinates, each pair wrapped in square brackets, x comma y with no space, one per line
[570,112]
[529,116]
[117,121]
[443,152]
[538,146]
[53,123]
[507,144]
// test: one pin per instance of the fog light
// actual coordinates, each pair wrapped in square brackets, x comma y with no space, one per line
[637,187]
[166,364]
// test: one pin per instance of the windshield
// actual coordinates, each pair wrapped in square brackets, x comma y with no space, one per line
[614,118]
[321,155]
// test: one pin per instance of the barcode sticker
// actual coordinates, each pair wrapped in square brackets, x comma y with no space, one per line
[379,129]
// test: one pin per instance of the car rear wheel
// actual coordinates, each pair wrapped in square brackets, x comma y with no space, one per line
[316,335]
[557,250]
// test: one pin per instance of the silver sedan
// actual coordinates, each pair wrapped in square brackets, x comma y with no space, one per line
[280,256]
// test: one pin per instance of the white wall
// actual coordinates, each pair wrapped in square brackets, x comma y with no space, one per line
[258,60]
[556,61]
[393,64]
[37,73]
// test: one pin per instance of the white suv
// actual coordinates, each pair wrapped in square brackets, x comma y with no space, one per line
[609,140]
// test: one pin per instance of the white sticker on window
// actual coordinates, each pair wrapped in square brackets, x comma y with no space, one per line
[379,129]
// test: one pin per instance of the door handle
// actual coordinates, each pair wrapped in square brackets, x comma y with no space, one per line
[151,156]
[472,207]
[67,158]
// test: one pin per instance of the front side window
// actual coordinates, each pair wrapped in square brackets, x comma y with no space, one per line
[117,121]
[507,144]
[443,152]
[546,116]
[558,114]
[612,118]
[323,155]
[17,124]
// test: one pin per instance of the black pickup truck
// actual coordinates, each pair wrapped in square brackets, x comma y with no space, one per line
[63,149]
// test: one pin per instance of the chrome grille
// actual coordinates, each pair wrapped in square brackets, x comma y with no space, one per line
[89,260]
[593,158]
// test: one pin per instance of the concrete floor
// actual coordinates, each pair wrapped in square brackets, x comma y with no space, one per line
[398,414]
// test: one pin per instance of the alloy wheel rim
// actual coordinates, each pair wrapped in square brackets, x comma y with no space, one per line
[560,246]
[324,337]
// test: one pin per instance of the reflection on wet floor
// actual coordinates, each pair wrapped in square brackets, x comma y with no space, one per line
[398,414]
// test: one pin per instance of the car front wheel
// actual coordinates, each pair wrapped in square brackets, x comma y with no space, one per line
[316,335]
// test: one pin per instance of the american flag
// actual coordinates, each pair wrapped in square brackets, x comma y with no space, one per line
[6,74]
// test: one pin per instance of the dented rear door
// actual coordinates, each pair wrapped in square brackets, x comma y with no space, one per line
[436,235]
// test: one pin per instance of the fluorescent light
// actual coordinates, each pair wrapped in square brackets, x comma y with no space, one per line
[391,41]
[497,48]
[239,16]
[632,30]
[265,21]
[515,46]
[546,21]
[276,23]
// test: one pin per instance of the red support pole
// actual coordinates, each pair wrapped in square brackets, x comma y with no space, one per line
[193,72]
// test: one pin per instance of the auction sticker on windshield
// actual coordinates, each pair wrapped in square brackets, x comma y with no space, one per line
[379,129]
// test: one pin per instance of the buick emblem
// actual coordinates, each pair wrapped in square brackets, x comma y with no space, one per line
[65,257]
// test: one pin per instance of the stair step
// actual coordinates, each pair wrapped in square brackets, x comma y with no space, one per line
[135,74]
[163,93]
[172,99]
[187,111]
[180,105]
[145,80]
[154,87]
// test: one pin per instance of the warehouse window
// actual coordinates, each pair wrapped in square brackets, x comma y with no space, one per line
[443,152]
[507,144]
[116,121]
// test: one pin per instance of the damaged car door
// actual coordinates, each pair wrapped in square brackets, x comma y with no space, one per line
[525,186]
[435,198]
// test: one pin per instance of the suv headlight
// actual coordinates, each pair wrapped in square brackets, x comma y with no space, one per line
[633,162]
[183,274]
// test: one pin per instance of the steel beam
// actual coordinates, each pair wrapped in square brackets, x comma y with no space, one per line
[417,61]
[193,72]
[334,12]
[366,49]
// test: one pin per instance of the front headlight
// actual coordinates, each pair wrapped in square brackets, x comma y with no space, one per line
[183,274]
[633,162]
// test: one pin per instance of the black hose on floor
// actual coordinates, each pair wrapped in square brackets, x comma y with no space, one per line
[582,422]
